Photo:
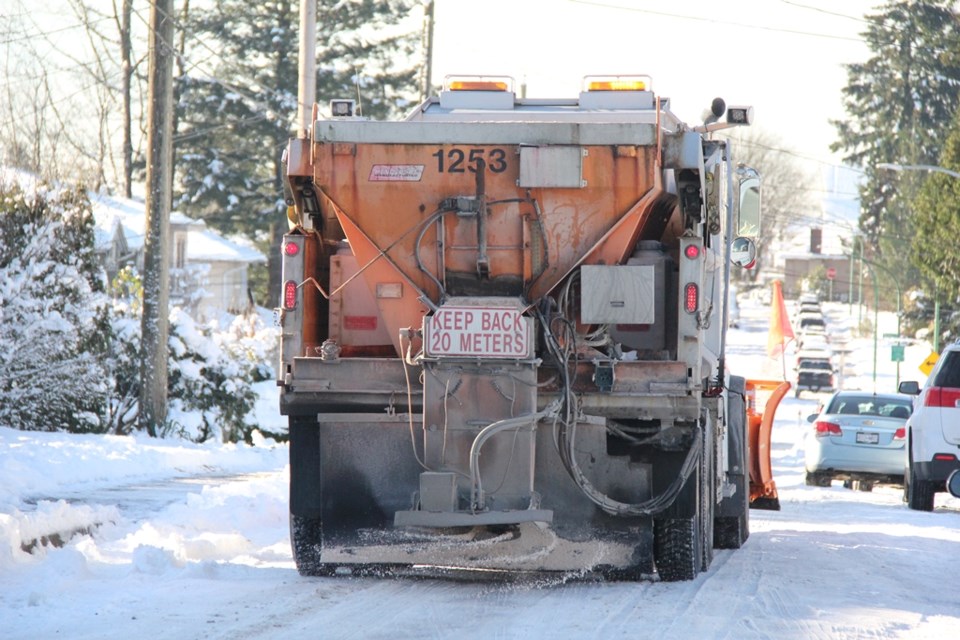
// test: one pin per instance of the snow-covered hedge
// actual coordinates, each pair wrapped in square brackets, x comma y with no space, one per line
[69,349]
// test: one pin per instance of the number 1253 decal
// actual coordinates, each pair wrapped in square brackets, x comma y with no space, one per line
[457,160]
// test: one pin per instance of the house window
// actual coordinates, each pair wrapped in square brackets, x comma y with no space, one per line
[180,253]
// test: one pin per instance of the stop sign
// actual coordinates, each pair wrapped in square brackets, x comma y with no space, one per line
[831,273]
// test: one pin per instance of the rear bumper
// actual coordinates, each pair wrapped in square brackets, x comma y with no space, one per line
[890,462]
[815,383]
[935,470]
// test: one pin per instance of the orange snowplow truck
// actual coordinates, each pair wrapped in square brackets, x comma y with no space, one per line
[503,335]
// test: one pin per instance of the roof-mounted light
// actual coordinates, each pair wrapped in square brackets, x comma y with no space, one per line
[478,83]
[617,83]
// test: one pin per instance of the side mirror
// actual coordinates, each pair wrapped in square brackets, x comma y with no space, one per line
[743,253]
[909,387]
[953,483]
[812,417]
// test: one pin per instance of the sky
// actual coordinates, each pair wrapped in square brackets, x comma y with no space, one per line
[784,58]
[180,540]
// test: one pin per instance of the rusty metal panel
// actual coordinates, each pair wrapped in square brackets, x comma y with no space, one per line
[354,315]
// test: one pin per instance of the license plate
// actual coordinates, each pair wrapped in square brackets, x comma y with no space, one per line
[866,437]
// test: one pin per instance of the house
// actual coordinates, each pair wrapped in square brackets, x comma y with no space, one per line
[208,272]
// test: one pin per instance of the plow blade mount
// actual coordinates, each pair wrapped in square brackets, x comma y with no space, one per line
[763,398]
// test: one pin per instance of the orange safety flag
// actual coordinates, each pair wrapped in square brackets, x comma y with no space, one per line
[780,330]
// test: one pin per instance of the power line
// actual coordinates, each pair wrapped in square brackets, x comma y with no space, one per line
[27,37]
[715,21]
[825,11]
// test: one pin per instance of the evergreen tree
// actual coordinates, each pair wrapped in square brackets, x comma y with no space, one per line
[899,103]
[53,313]
[934,247]
[233,127]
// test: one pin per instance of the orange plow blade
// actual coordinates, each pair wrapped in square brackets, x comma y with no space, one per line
[763,398]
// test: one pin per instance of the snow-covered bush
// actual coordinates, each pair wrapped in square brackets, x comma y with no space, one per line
[123,363]
[210,373]
[209,381]
[70,351]
[53,312]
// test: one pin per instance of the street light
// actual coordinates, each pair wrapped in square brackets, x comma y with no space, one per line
[917,167]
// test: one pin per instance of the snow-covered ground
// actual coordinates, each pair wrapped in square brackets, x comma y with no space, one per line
[190,541]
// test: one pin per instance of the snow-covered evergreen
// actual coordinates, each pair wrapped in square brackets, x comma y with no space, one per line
[70,348]
[53,312]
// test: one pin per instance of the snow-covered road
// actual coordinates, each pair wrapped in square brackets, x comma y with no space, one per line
[207,555]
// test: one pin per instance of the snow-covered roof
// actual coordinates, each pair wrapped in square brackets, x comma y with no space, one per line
[203,244]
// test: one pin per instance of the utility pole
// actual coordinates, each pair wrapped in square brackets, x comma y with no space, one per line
[425,88]
[156,246]
[126,77]
[307,66]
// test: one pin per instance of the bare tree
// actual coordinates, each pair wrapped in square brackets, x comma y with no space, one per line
[787,189]
[69,88]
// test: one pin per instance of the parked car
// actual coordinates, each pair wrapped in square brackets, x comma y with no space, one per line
[859,438]
[807,320]
[933,431]
[813,338]
[814,374]
[809,307]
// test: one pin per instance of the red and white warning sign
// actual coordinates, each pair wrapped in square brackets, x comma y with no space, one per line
[477,331]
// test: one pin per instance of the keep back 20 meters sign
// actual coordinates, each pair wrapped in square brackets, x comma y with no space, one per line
[477,332]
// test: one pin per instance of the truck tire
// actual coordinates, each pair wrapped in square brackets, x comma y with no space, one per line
[676,548]
[731,533]
[306,540]
[306,526]
[707,494]
[731,530]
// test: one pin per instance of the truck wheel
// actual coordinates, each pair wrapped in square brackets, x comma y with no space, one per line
[731,533]
[920,493]
[707,497]
[732,529]
[306,541]
[676,548]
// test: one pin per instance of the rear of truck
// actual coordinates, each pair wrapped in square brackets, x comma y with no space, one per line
[503,336]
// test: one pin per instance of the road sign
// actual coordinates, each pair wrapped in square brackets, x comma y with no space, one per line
[927,365]
[896,353]
[831,273]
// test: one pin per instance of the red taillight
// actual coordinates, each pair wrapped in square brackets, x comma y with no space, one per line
[945,457]
[900,433]
[692,251]
[289,295]
[824,429]
[691,297]
[945,397]
[291,249]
